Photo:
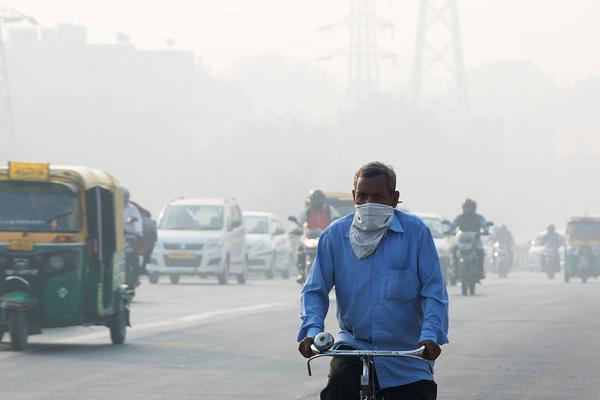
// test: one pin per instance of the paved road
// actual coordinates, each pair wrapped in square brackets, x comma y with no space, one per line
[520,338]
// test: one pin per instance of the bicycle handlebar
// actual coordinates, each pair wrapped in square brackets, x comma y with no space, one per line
[416,354]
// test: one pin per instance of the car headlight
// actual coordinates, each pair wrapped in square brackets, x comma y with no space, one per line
[56,262]
[311,243]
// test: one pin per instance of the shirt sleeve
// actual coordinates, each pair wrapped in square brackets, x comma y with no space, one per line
[303,216]
[433,291]
[314,298]
[453,225]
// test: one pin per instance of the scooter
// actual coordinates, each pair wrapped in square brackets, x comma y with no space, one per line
[551,260]
[307,251]
[501,259]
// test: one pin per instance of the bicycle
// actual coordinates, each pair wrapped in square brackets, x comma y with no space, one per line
[322,348]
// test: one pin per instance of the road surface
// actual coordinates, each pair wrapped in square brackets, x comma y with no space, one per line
[521,338]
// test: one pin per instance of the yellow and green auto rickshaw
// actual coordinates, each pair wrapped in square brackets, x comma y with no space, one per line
[62,257]
[582,248]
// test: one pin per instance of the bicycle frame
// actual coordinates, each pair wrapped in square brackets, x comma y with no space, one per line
[367,389]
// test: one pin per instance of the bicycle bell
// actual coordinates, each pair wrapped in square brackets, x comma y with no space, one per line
[324,341]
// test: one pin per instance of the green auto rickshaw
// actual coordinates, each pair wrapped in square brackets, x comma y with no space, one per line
[62,251]
[582,248]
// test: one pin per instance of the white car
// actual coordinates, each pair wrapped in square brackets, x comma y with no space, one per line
[443,244]
[200,237]
[269,247]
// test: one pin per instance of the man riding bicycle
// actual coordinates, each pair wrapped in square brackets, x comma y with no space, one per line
[390,292]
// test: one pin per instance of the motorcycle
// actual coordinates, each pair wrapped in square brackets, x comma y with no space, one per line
[467,261]
[550,260]
[307,251]
[501,259]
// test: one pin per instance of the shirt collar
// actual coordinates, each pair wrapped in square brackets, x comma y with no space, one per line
[395,225]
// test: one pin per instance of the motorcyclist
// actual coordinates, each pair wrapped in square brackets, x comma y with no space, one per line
[470,221]
[552,238]
[504,237]
[149,236]
[134,224]
[134,232]
[317,215]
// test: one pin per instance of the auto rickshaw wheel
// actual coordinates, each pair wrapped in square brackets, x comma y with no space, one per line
[174,279]
[118,327]
[17,327]
[153,278]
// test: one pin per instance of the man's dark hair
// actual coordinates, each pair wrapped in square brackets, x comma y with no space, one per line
[377,168]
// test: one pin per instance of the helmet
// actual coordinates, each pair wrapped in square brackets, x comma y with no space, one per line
[317,198]
[551,228]
[469,205]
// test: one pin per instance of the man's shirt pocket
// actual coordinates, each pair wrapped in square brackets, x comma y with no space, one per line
[401,283]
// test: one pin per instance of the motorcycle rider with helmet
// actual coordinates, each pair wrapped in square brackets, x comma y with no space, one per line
[316,216]
[504,237]
[134,231]
[552,238]
[470,221]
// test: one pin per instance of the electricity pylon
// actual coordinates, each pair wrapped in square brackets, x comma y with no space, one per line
[439,15]
[363,54]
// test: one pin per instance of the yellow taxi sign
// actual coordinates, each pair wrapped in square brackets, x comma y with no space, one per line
[28,171]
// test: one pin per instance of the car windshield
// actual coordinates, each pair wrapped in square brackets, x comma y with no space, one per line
[39,207]
[435,226]
[256,224]
[193,218]
[584,230]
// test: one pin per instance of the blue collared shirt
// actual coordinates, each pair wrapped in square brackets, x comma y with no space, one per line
[390,300]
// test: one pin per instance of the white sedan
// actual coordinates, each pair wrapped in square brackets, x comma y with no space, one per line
[269,248]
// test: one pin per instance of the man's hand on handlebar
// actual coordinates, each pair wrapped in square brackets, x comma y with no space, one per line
[432,350]
[304,347]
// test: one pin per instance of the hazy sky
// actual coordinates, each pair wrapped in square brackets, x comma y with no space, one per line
[559,36]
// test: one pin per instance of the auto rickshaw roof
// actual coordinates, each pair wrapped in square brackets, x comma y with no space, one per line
[592,218]
[87,177]
[339,195]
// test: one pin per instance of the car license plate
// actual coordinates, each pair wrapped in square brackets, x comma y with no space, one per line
[181,255]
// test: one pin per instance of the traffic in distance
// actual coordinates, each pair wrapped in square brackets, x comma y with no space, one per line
[73,246]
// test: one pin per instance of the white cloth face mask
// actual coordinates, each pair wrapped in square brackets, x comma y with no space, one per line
[371,222]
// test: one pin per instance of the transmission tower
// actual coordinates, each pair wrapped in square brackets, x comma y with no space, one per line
[439,16]
[363,54]
[7,16]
